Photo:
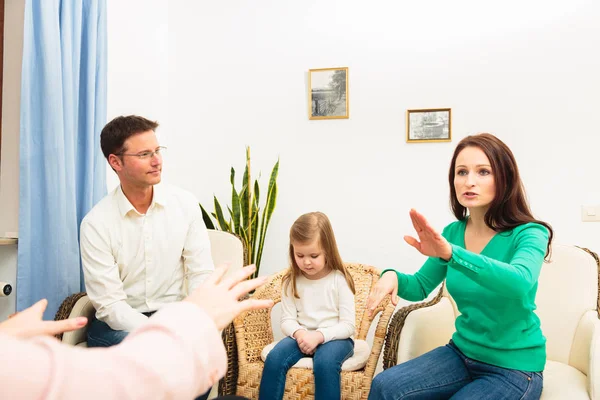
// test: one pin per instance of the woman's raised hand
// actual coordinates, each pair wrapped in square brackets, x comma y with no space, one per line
[430,243]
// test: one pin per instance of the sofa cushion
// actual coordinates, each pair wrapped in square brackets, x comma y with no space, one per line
[562,381]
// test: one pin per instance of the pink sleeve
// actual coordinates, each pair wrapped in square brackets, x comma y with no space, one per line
[177,354]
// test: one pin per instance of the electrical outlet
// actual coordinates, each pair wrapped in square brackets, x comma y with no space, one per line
[590,213]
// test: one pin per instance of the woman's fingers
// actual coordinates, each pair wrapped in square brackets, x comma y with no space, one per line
[376,300]
[415,221]
[246,286]
[239,276]
[422,221]
[65,325]
[218,274]
[413,242]
[254,304]
[37,309]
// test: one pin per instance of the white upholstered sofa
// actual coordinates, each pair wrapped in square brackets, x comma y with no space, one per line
[567,302]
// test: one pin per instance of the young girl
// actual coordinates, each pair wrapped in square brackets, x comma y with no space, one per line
[491,258]
[318,311]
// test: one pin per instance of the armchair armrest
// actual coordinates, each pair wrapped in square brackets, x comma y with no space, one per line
[440,320]
[76,305]
[379,337]
[228,384]
[425,329]
[253,330]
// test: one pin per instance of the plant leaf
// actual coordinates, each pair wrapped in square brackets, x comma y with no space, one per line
[254,230]
[220,217]
[206,217]
[235,205]
[268,211]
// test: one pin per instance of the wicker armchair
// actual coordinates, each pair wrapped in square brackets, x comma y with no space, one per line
[568,305]
[253,332]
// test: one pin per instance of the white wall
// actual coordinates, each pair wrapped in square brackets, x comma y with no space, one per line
[9,169]
[234,73]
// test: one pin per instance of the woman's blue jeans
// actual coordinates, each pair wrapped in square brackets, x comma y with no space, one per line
[446,373]
[327,365]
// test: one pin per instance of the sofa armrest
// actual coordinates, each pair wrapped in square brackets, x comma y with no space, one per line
[425,329]
[594,368]
[585,351]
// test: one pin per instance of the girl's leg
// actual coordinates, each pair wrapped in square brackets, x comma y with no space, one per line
[327,364]
[272,383]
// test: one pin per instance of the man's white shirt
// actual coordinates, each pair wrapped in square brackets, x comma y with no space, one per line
[134,263]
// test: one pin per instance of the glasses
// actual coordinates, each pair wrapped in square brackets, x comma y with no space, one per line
[145,155]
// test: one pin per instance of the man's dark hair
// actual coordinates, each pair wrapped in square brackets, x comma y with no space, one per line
[117,131]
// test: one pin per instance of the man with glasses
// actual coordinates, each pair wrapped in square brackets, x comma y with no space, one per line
[145,244]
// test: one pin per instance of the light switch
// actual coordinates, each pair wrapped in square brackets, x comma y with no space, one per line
[590,213]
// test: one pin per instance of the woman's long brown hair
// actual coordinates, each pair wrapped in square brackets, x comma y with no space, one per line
[509,208]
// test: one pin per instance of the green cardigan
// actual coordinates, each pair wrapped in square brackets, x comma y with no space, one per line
[494,292]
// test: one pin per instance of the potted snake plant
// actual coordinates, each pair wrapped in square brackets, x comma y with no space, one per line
[246,217]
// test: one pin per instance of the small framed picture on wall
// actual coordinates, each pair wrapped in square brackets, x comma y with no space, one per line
[328,93]
[429,125]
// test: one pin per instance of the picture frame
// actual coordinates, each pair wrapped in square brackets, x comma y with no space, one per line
[328,96]
[429,125]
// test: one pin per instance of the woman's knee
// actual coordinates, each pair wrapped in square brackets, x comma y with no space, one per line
[378,386]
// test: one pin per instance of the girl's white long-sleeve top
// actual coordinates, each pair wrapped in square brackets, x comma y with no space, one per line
[325,305]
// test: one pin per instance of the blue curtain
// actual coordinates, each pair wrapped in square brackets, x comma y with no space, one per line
[62,170]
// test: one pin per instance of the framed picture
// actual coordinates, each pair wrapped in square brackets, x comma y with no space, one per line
[328,93]
[429,125]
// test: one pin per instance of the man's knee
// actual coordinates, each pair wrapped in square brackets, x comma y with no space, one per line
[101,335]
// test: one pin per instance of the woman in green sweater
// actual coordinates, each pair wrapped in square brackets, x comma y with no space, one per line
[491,258]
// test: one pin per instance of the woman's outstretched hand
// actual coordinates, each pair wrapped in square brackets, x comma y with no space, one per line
[28,323]
[387,284]
[430,243]
[219,296]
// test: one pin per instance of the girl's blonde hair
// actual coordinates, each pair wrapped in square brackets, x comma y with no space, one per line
[307,228]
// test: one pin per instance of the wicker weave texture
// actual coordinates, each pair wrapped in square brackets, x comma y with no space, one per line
[253,332]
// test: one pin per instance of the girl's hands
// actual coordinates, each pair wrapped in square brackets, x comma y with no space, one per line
[309,340]
[430,243]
